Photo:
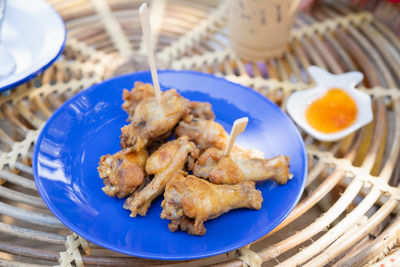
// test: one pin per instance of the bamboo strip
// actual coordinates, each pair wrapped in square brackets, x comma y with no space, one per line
[10,116]
[16,179]
[392,38]
[30,216]
[23,167]
[24,111]
[18,264]
[21,197]
[299,53]
[41,107]
[293,66]
[6,138]
[31,234]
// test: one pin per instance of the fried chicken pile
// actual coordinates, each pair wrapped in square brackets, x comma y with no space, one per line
[148,165]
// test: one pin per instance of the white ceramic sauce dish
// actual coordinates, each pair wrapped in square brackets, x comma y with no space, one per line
[298,102]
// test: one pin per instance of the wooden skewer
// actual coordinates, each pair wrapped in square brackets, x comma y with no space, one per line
[145,21]
[238,127]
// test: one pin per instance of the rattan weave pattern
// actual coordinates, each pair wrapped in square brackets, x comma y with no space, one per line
[348,215]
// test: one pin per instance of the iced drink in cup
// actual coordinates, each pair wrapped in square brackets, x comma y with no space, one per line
[260,29]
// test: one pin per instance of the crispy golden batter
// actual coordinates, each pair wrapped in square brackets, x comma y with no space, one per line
[208,133]
[152,120]
[207,162]
[165,163]
[201,110]
[122,173]
[190,201]
[240,167]
[131,99]
[204,133]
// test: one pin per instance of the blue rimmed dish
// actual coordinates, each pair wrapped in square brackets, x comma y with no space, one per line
[35,35]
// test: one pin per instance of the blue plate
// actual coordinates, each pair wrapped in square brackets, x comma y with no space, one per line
[88,126]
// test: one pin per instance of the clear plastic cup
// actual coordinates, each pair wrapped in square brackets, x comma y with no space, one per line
[260,29]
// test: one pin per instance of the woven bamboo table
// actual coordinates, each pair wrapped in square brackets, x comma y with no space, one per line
[348,215]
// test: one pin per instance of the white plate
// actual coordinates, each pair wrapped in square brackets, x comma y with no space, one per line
[35,35]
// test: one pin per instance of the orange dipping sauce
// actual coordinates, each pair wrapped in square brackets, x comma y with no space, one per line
[334,111]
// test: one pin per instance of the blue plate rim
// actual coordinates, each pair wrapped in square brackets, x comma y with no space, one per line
[44,67]
[104,244]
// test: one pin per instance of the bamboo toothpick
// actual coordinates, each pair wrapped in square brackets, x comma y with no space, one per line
[238,127]
[145,21]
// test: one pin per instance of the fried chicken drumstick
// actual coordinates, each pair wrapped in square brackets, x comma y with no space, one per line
[152,120]
[142,90]
[190,201]
[208,133]
[239,167]
[201,110]
[132,98]
[204,133]
[165,163]
[122,173]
